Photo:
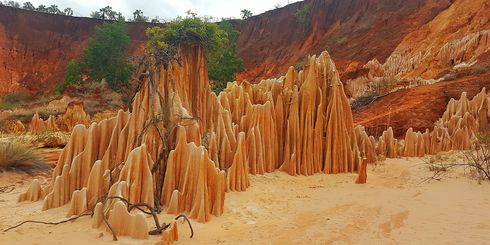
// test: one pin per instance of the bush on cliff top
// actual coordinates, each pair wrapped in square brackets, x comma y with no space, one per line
[217,40]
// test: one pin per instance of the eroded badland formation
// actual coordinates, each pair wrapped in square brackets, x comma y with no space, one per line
[276,154]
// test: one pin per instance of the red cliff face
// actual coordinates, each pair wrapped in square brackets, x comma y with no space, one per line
[353,31]
[36,47]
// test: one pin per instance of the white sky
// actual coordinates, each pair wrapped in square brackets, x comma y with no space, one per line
[167,9]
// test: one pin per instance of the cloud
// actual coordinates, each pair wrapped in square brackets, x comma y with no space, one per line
[168,9]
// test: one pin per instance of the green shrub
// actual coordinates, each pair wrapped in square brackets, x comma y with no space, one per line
[164,42]
[302,17]
[12,100]
[73,74]
[106,56]
[217,40]
[59,89]
[222,66]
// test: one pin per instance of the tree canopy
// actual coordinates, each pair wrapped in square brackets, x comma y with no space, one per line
[138,16]
[246,14]
[106,55]
[106,13]
[223,65]
[217,40]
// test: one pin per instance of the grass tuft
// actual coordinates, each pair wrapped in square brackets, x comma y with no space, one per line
[20,158]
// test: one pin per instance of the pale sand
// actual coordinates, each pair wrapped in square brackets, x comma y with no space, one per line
[392,208]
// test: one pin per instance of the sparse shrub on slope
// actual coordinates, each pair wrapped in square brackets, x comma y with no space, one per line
[478,160]
[303,17]
[21,158]
[475,161]
[12,100]
[73,75]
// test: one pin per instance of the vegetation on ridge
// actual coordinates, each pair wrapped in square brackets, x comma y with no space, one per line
[52,9]
[302,17]
[217,40]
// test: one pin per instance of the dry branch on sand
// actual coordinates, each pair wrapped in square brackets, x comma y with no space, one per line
[475,161]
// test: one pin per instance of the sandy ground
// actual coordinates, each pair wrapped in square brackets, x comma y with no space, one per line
[394,207]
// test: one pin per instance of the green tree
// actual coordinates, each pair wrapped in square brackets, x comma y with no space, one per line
[138,16]
[106,56]
[13,4]
[246,14]
[218,41]
[106,13]
[222,66]
[53,9]
[191,31]
[28,6]
[302,17]
[155,20]
[96,15]
[68,12]
[42,8]
[73,74]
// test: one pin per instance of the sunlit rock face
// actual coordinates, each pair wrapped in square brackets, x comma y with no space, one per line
[300,123]
[74,114]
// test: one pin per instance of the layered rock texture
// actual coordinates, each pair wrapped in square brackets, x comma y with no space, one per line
[416,108]
[300,123]
[457,129]
[353,31]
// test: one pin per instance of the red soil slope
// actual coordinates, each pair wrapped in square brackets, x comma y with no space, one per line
[418,107]
[353,31]
[36,47]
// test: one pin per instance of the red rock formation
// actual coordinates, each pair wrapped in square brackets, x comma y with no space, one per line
[170,235]
[36,47]
[38,125]
[13,127]
[443,43]
[455,130]
[412,108]
[33,193]
[74,114]
[308,110]
[362,175]
[353,31]
[237,174]
[78,203]
[122,222]
[192,181]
